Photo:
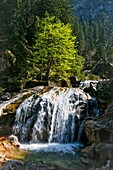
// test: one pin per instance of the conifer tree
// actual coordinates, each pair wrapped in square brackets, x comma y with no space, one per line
[81,42]
[100,54]
[54,49]
[95,34]
[90,17]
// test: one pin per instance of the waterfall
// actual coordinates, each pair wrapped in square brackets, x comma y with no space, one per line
[53,117]
[94,103]
[81,130]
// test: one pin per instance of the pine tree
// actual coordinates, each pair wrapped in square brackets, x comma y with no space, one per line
[60,9]
[90,17]
[54,49]
[95,34]
[100,53]
[103,36]
[81,43]
[91,39]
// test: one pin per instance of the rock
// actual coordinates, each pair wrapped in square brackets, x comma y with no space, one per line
[86,161]
[111,138]
[104,94]
[98,130]
[108,166]
[8,146]
[91,130]
[13,164]
[13,140]
[106,154]
[102,151]
[90,150]
[6,96]
[99,147]
[109,111]
[42,165]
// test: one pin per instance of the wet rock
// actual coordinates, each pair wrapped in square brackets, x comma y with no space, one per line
[111,138]
[108,166]
[103,92]
[98,147]
[106,154]
[90,150]
[99,130]
[30,165]
[12,164]
[91,129]
[8,146]
[87,161]
[109,111]
[6,96]
[102,151]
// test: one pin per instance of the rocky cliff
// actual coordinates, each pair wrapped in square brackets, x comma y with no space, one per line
[99,131]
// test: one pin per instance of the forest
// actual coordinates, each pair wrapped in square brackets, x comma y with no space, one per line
[45,41]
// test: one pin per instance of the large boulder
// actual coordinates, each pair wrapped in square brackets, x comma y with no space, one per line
[102,152]
[98,131]
[8,147]
[103,91]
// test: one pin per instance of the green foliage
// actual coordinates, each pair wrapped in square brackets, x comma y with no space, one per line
[100,54]
[60,9]
[91,76]
[94,39]
[54,50]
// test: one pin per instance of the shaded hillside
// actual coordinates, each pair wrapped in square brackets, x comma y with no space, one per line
[82,7]
[105,70]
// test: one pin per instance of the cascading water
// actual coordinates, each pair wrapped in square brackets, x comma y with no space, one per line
[54,117]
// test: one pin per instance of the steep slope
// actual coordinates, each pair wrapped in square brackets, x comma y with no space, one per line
[82,7]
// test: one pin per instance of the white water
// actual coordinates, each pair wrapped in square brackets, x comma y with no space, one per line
[80,130]
[86,83]
[52,117]
[52,147]
[54,121]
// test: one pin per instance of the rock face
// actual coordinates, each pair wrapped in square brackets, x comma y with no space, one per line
[103,91]
[82,7]
[102,151]
[99,131]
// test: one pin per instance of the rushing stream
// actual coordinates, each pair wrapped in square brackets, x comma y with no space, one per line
[53,122]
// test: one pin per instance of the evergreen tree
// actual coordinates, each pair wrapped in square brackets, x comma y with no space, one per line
[54,49]
[103,36]
[85,28]
[100,53]
[90,17]
[95,34]
[81,42]
[61,9]
[91,39]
